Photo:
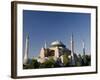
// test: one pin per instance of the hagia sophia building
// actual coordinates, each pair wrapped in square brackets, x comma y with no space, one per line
[55,49]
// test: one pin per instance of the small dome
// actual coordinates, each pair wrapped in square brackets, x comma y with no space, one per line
[57,43]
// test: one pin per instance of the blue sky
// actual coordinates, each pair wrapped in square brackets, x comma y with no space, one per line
[50,26]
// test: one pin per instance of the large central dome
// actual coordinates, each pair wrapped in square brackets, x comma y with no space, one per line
[57,43]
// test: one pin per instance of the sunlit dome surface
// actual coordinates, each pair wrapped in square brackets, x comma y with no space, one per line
[57,43]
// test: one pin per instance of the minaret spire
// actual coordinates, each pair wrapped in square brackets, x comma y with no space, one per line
[45,45]
[26,52]
[72,50]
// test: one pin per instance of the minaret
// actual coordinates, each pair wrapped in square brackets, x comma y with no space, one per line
[45,45]
[72,51]
[26,52]
[83,47]
[84,58]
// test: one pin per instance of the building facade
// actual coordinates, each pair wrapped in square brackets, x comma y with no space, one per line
[56,50]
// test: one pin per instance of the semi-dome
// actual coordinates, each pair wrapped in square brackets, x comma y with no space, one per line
[57,43]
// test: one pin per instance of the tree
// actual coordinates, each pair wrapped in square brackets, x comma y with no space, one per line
[86,60]
[49,63]
[79,60]
[65,60]
[32,64]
